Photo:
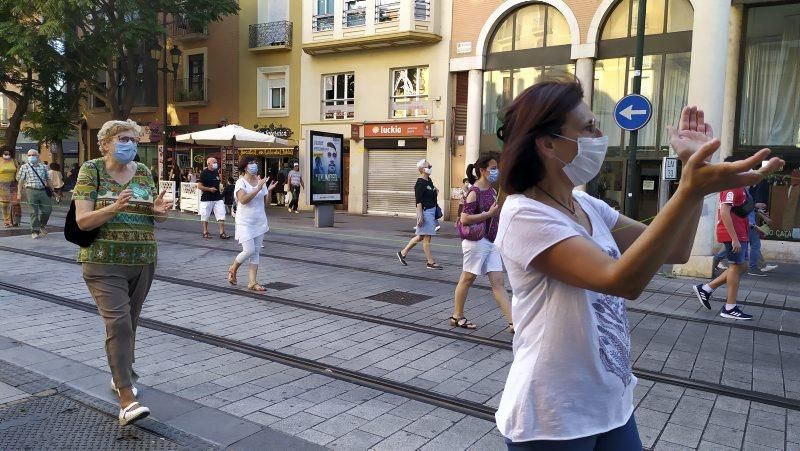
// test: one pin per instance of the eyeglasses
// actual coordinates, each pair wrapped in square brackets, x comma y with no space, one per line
[127,139]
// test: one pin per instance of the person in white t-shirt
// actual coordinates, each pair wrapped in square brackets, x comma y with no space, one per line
[252,196]
[571,259]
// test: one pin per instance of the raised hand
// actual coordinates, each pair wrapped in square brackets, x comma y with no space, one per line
[123,199]
[692,133]
[160,206]
[701,177]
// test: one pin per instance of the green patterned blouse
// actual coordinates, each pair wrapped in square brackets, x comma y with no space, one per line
[128,237]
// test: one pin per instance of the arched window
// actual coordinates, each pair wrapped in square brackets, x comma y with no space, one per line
[665,81]
[530,42]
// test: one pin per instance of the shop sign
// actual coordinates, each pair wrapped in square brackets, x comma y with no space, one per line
[464,47]
[282,152]
[398,130]
[278,131]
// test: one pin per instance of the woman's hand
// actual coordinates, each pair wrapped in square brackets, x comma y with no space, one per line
[701,177]
[494,210]
[272,185]
[160,206]
[122,201]
[691,134]
[420,220]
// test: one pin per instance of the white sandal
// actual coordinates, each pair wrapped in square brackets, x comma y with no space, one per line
[133,413]
[114,389]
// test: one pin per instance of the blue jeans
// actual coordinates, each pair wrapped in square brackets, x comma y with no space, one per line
[623,438]
[755,248]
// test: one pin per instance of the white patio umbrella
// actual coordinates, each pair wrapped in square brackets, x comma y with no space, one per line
[233,136]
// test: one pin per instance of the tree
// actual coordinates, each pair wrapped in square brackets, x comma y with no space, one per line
[112,39]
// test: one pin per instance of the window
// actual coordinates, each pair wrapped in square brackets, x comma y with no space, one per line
[663,16]
[338,96]
[387,10]
[273,89]
[531,27]
[409,92]
[323,20]
[422,9]
[355,13]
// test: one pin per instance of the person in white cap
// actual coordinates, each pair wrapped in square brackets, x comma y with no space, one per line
[426,195]
[295,183]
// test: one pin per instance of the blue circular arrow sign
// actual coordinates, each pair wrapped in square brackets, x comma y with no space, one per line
[633,112]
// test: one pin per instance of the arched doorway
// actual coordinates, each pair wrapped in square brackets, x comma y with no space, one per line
[665,81]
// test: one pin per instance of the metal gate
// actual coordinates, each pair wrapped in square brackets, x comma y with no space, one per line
[390,181]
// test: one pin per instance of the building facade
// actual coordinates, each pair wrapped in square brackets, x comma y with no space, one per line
[202,93]
[269,76]
[732,59]
[376,72]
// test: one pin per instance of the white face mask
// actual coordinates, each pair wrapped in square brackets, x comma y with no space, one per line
[428,170]
[587,163]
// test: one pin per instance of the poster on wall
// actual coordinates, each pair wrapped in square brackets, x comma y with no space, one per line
[326,168]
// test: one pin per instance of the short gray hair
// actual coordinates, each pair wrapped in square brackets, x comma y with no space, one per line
[113,128]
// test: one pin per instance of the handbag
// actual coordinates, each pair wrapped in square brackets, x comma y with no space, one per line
[73,233]
[473,232]
[47,189]
[745,209]
[438,213]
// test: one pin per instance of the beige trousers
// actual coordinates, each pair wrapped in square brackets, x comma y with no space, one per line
[119,292]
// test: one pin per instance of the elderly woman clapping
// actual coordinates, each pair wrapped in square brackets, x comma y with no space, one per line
[118,196]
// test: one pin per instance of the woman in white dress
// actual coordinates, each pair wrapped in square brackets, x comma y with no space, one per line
[251,196]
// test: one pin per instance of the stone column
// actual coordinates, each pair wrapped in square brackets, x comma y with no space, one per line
[707,91]
[474,112]
[584,72]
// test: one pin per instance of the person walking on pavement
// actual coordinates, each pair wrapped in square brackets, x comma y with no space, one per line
[211,199]
[56,180]
[295,183]
[9,201]
[227,195]
[758,267]
[252,197]
[481,256]
[571,260]
[280,189]
[118,196]
[425,195]
[35,183]
[733,226]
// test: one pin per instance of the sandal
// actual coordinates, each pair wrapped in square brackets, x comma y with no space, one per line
[207,236]
[225,236]
[257,287]
[231,276]
[462,323]
[433,266]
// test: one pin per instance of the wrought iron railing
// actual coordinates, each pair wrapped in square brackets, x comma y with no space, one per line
[192,89]
[356,17]
[322,22]
[271,34]
[181,28]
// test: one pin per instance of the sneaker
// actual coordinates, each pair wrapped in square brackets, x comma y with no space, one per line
[401,258]
[702,295]
[769,268]
[43,232]
[133,413]
[133,388]
[289,209]
[296,212]
[722,266]
[35,235]
[734,313]
[438,227]
[757,273]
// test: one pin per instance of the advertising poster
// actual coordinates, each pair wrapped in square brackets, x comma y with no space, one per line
[326,168]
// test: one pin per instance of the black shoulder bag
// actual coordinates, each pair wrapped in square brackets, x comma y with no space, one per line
[47,189]
[73,233]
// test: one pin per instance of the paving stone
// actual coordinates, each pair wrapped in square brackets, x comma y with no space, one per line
[287,408]
[355,440]
[681,435]
[762,436]
[371,409]
[340,424]
[315,436]
[401,441]
[723,435]
[428,426]
[262,418]
[331,407]
[245,406]
[385,425]
[297,423]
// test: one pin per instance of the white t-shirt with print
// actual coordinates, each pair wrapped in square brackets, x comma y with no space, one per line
[571,376]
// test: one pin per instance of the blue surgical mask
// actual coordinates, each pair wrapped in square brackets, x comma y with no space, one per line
[124,152]
[494,174]
[252,169]
[214,167]
[32,159]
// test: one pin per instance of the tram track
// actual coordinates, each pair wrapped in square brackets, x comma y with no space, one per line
[375,382]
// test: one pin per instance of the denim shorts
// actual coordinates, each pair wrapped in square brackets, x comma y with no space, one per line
[623,438]
[737,258]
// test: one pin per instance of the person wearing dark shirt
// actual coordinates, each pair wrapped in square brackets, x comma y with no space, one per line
[425,195]
[227,194]
[211,199]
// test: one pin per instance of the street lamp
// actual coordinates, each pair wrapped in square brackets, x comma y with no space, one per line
[159,52]
[175,53]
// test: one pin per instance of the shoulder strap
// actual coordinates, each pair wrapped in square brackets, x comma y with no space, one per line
[37,175]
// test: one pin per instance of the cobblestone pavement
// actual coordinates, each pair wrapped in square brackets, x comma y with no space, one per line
[348,268]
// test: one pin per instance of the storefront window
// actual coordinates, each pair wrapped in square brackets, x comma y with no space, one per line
[769,108]
[529,30]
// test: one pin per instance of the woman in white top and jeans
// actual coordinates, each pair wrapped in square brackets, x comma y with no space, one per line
[571,260]
[252,198]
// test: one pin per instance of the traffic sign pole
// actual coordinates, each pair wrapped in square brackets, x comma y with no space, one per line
[632,200]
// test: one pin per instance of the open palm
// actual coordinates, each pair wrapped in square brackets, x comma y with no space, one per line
[160,206]
[692,133]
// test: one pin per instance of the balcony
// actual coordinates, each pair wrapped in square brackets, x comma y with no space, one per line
[271,36]
[181,30]
[192,91]
[389,23]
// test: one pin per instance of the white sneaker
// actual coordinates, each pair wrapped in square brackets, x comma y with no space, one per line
[289,209]
[114,389]
[721,265]
[133,413]
[35,236]
[43,232]
[769,268]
